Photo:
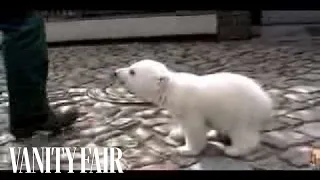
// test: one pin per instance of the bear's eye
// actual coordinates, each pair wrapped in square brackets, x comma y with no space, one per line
[131,72]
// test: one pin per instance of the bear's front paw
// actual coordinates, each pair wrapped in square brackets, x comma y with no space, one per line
[186,151]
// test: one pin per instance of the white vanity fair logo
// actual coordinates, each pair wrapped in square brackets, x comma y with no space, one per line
[23,162]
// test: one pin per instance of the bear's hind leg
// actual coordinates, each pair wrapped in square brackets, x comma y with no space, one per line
[242,142]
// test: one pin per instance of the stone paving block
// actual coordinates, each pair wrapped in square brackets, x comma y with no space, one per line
[289,121]
[3,108]
[82,111]
[77,142]
[4,94]
[105,137]
[57,93]
[77,91]
[159,147]
[5,137]
[163,129]
[142,133]
[298,97]
[284,138]
[280,83]
[124,123]
[126,112]
[311,77]
[275,125]
[310,129]
[148,113]
[295,105]
[94,131]
[308,115]
[298,156]
[183,161]
[280,112]
[150,122]
[100,120]
[302,89]
[293,81]
[272,163]
[219,163]
[3,98]
[85,117]
[106,106]
[87,103]
[3,85]
[136,158]
[78,99]
[305,89]
[64,102]
[261,153]
[122,141]
[82,125]
[315,101]
[161,167]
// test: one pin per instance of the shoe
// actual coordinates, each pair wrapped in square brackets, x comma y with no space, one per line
[55,121]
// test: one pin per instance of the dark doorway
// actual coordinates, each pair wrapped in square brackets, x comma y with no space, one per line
[256,17]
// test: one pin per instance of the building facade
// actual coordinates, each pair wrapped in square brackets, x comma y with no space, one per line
[226,25]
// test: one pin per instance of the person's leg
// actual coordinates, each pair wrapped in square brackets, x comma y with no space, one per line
[26,62]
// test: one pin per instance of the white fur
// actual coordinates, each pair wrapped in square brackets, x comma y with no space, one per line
[232,104]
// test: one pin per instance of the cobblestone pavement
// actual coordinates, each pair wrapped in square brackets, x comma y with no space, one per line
[290,73]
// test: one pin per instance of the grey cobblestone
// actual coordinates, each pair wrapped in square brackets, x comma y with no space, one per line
[311,129]
[284,138]
[220,163]
[272,163]
[80,74]
[298,156]
[312,114]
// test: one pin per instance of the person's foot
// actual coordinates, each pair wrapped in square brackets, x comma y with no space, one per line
[56,120]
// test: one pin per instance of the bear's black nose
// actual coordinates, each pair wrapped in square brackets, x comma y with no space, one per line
[115,74]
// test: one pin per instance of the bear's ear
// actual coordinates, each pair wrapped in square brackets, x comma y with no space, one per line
[163,79]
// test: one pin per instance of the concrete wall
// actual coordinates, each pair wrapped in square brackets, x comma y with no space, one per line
[290,17]
[131,27]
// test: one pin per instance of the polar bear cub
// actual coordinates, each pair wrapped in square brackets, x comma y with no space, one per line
[232,104]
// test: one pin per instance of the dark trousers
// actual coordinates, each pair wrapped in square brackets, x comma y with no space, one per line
[26,64]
